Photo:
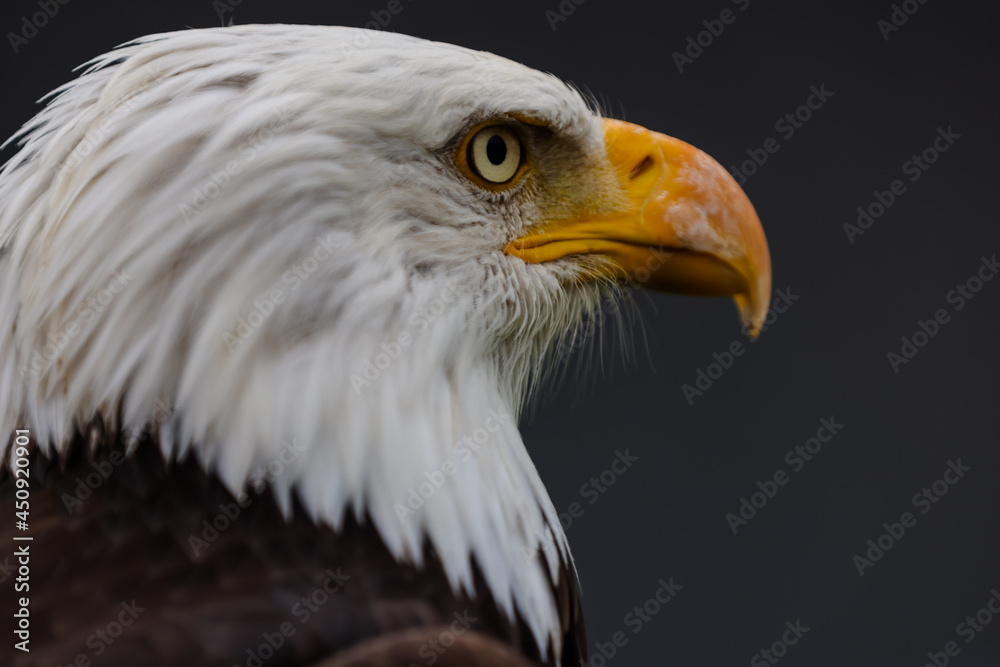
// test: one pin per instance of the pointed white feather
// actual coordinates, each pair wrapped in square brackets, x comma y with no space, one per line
[201,168]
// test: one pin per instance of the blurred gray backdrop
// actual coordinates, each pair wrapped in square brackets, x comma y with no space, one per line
[867,411]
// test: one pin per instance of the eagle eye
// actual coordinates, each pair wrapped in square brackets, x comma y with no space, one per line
[493,154]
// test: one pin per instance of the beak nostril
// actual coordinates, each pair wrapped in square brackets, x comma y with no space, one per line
[641,168]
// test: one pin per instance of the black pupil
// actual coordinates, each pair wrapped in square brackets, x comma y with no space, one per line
[496,149]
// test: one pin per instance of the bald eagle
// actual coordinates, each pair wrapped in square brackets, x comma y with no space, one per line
[273,299]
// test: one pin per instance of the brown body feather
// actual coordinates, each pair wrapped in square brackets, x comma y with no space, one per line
[135,573]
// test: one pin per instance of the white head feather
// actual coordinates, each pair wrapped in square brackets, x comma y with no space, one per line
[302,173]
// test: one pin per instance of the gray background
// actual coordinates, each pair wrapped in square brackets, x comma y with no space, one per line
[825,357]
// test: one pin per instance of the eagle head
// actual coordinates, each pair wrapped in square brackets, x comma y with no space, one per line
[352,252]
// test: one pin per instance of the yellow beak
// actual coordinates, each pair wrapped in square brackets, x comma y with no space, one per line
[687,226]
